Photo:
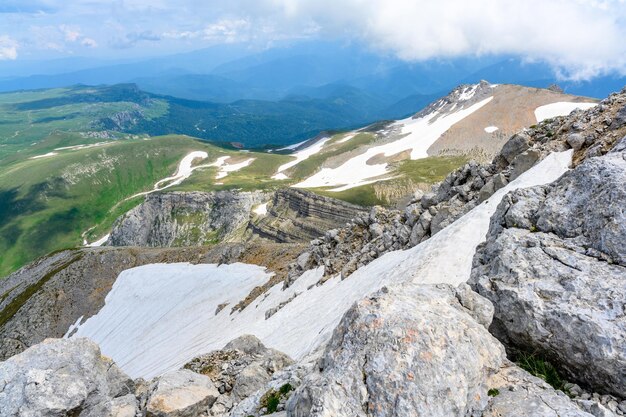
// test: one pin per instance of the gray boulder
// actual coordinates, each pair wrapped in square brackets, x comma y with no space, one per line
[64,377]
[239,370]
[554,266]
[181,393]
[407,350]
[515,146]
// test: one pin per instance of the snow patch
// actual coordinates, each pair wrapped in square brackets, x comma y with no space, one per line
[560,108]
[490,129]
[301,155]
[225,169]
[157,317]
[420,134]
[347,137]
[292,147]
[260,210]
[468,93]
[98,242]
[47,155]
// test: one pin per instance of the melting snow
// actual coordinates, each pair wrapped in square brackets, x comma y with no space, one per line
[347,137]
[45,155]
[420,135]
[490,129]
[468,93]
[98,242]
[292,147]
[159,316]
[261,209]
[301,155]
[225,169]
[560,108]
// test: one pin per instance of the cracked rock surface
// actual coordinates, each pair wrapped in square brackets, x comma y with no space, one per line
[554,266]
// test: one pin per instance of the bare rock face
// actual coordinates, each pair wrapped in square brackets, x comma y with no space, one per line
[407,350]
[554,266]
[181,393]
[186,219]
[299,216]
[61,377]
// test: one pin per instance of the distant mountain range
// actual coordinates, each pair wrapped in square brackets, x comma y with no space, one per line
[315,70]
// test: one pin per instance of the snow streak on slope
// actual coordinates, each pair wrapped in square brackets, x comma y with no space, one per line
[561,108]
[420,135]
[157,317]
[300,156]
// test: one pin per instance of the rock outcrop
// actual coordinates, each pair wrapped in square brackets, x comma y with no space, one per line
[369,236]
[180,393]
[410,350]
[299,216]
[554,266]
[186,219]
[416,350]
[243,367]
[64,378]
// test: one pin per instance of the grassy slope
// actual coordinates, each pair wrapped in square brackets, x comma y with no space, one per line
[47,204]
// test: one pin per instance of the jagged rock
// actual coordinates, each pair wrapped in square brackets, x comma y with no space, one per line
[523,162]
[243,367]
[517,393]
[406,350]
[554,265]
[515,146]
[186,219]
[181,393]
[63,377]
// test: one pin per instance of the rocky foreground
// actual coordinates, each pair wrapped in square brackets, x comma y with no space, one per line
[549,284]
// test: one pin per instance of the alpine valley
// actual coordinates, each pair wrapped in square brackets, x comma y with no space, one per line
[298,239]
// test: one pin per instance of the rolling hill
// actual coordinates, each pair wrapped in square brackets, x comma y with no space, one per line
[72,160]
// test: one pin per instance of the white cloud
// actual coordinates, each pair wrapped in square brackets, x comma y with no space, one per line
[227,30]
[8,48]
[89,43]
[71,34]
[581,38]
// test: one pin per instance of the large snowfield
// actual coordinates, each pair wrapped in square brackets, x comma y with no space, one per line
[159,316]
[419,135]
[560,108]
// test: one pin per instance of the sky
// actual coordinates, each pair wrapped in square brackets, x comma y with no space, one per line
[581,39]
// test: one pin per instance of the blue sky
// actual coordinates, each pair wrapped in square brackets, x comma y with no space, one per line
[579,38]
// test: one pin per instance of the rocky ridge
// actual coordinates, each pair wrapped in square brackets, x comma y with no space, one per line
[176,219]
[554,265]
[341,251]
[186,219]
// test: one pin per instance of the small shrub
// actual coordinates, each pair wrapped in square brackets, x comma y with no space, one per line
[493,392]
[285,389]
[270,401]
[543,369]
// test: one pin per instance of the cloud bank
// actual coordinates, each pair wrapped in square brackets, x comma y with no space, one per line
[579,38]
